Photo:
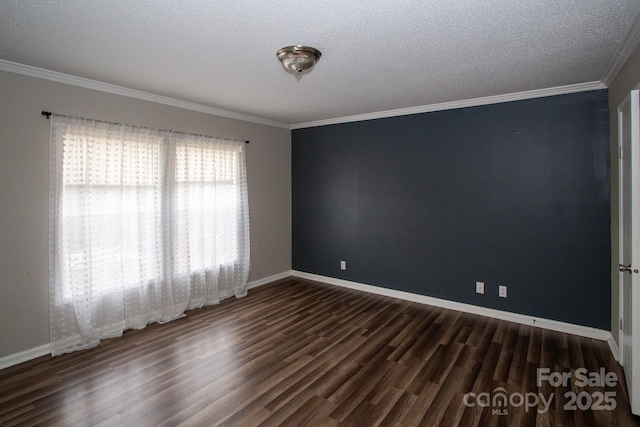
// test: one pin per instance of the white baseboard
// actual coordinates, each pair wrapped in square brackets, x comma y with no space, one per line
[24,356]
[613,345]
[42,350]
[554,325]
[265,280]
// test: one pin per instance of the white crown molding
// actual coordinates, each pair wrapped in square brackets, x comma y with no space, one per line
[27,70]
[523,319]
[622,54]
[496,99]
[41,73]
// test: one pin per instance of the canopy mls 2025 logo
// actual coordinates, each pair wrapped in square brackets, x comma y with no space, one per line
[499,401]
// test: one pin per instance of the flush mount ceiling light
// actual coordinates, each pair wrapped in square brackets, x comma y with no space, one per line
[298,59]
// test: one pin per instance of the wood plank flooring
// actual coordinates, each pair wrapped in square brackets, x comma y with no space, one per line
[296,352]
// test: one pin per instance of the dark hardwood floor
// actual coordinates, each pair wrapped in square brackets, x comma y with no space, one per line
[297,353]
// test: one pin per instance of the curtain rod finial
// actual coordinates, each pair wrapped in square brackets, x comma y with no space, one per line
[47,114]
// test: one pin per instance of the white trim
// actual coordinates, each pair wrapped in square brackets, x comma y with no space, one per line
[585,331]
[554,325]
[27,70]
[25,356]
[614,347]
[622,54]
[269,279]
[621,237]
[41,73]
[496,99]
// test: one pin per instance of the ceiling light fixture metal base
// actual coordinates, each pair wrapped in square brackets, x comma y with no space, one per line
[298,58]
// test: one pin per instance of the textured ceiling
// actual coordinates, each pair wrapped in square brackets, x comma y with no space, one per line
[376,56]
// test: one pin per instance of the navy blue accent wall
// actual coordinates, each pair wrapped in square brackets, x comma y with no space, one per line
[515,193]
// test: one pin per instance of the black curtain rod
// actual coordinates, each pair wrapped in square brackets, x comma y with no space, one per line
[47,114]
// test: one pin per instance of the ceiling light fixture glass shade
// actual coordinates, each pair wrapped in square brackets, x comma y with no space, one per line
[298,58]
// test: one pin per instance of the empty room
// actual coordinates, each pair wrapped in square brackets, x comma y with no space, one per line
[356,213]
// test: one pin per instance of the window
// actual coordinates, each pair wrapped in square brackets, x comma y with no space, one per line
[144,225]
[111,195]
[206,189]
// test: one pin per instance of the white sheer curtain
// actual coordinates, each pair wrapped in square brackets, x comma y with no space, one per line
[144,224]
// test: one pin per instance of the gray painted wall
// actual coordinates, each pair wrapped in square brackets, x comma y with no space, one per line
[627,79]
[24,186]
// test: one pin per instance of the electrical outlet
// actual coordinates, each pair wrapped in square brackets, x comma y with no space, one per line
[502,291]
[480,287]
[343,265]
